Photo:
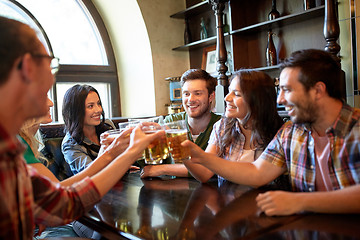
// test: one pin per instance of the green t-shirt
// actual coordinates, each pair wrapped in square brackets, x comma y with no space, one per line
[28,154]
[203,138]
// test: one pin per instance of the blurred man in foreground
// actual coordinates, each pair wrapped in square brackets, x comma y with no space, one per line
[26,198]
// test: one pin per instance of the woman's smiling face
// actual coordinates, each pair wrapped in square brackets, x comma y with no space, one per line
[236,106]
[93,110]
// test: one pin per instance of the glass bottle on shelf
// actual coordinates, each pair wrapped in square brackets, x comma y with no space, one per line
[226,27]
[187,34]
[203,31]
[271,58]
[274,12]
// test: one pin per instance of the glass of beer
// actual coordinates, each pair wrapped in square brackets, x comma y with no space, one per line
[158,150]
[113,133]
[133,123]
[108,137]
[125,125]
[116,132]
[176,133]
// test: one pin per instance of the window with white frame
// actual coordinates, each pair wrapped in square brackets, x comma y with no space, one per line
[74,32]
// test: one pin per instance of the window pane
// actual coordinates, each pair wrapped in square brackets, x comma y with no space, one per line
[10,10]
[70,29]
[102,88]
[67,28]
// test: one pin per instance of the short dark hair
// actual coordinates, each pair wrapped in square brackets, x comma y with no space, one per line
[193,74]
[16,40]
[316,66]
[73,110]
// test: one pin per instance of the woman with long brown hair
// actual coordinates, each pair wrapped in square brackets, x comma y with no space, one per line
[251,120]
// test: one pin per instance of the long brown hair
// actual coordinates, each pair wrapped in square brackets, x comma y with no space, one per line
[258,90]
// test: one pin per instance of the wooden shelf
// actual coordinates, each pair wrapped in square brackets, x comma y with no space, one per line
[193,10]
[198,44]
[285,20]
[244,39]
[268,68]
[281,21]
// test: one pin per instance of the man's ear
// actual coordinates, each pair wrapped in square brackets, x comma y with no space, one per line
[27,68]
[212,101]
[212,97]
[320,89]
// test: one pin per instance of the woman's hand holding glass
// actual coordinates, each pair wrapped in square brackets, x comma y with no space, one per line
[115,142]
[196,153]
[109,136]
[139,140]
[158,150]
[131,138]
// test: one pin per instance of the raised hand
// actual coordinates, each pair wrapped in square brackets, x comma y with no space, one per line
[197,154]
[115,146]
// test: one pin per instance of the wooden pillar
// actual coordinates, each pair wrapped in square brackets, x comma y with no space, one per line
[331,34]
[218,7]
[331,28]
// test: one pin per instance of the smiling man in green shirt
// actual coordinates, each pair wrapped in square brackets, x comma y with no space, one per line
[198,96]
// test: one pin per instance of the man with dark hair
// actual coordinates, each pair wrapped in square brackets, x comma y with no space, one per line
[198,96]
[319,147]
[27,198]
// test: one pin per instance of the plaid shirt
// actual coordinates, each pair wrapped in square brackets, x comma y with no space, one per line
[27,198]
[293,148]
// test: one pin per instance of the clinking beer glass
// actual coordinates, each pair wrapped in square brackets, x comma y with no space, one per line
[176,133]
[158,150]
[114,133]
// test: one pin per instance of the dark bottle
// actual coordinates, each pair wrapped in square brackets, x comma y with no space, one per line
[271,59]
[203,30]
[274,13]
[187,34]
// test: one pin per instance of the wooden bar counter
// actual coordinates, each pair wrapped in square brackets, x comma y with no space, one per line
[182,208]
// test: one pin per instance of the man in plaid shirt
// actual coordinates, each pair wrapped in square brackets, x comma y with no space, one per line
[26,198]
[319,147]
